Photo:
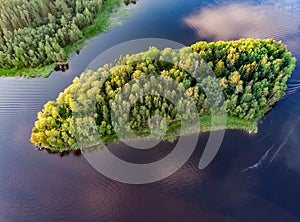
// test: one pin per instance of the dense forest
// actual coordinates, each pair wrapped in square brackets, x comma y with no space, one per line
[37,33]
[251,73]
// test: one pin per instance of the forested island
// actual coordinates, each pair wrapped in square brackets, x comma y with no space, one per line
[36,34]
[251,73]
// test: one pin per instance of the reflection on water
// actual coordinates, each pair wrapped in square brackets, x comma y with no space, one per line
[284,5]
[36,186]
[244,20]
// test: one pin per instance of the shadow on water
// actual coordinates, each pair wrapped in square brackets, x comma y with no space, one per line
[63,154]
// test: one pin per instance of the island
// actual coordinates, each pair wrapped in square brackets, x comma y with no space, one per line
[38,36]
[251,73]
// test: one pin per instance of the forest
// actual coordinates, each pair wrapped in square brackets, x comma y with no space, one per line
[252,75]
[36,34]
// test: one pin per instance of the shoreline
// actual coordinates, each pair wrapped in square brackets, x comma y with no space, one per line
[248,98]
[101,24]
[172,134]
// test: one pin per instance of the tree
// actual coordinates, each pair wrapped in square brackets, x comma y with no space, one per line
[246,98]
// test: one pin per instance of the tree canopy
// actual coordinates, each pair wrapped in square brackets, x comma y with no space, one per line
[38,33]
[252,75]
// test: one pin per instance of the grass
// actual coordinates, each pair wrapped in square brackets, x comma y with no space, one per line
[231,123]
[111,13]
[28,72]
[174,130]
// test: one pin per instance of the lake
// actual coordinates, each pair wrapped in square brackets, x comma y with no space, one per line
[253,177]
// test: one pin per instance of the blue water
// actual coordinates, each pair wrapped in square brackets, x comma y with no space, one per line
[253,177]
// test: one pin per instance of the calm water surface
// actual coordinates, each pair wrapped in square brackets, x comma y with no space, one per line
[253,177]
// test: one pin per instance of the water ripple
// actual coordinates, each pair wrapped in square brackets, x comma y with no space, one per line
[242,20]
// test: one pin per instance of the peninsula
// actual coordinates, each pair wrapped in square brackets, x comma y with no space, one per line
[37,35]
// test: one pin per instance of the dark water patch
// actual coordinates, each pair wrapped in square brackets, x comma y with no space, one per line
[36,186]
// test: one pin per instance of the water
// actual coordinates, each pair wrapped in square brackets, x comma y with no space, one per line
[253,177]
